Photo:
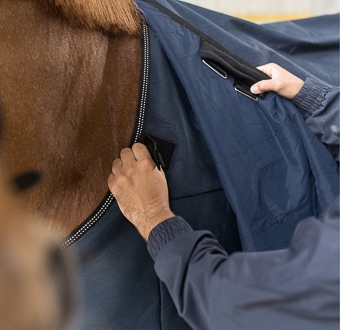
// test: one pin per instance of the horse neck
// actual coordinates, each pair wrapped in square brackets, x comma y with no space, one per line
[70,97]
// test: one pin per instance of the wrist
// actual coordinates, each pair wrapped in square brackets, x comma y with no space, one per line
[152,222]
[297,87]
[310,97]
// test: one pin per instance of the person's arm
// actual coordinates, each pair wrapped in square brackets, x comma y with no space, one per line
[295,288]
[288,289]
[317,102]
[319,106]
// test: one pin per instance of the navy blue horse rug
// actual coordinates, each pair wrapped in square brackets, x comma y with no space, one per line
[245,168]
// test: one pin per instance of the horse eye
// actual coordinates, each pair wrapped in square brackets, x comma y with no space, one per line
[26,181]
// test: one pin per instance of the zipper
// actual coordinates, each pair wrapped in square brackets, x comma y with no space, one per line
[107,202]
[145,83]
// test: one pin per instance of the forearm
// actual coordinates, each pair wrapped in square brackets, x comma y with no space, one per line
[318,103]
[260,290]
[183,262]
[209,289]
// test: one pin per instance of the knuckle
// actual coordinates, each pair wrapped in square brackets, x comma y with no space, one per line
[122,180]
[130,170]
[146,164]
[262,86]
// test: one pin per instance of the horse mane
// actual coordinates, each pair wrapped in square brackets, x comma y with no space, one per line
[113,16]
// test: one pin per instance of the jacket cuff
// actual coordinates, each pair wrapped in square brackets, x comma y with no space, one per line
[310,97]
[164,233]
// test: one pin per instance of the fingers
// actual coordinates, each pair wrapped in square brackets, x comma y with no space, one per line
[127,166]
[126,155]
[263,86]
[117,165]
[267,69]
[141,152]
[282,82]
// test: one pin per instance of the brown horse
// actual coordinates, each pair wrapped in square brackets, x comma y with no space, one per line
[34,281]
[69,78]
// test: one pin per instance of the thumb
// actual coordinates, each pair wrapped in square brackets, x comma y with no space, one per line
[263,86]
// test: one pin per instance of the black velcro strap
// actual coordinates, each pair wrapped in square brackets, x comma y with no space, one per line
[231,64]
[160,149]
[213,52]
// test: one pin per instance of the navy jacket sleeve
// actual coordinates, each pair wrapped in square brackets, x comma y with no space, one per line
[296,288]
[319,105]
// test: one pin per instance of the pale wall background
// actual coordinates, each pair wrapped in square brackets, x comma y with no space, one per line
[261,11]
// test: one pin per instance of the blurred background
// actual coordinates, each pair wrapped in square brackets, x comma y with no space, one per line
[265,11]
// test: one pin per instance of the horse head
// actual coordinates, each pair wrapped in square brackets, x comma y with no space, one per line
[35,290]
[69,81]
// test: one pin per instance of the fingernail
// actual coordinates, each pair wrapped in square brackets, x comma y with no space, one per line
[254,89]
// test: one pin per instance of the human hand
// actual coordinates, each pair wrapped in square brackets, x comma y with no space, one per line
[140,189]
[282,82]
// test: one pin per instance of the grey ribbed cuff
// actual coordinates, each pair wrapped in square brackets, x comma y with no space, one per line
[164,233]
[310,97]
